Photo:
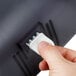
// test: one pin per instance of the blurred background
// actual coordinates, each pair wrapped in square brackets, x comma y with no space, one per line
[18,16]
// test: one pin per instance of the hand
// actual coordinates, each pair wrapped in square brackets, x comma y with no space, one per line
[58,60]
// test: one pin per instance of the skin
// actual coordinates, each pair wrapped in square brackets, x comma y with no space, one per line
[58,60]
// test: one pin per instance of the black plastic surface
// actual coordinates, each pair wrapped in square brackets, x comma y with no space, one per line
[27,59]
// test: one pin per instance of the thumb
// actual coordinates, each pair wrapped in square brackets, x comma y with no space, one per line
[50,54]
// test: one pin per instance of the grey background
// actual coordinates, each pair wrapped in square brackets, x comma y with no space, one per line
[18,16]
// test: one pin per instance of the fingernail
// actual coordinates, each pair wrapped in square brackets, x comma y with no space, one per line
[43,44]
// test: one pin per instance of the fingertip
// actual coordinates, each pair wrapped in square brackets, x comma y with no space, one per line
[43,65]
[42,44]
